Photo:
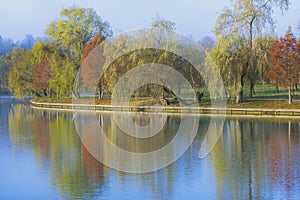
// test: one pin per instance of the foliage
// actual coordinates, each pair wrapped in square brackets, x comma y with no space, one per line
[42,53]
[41,76]
[91,69]
[261,53]
[230,56]
[63,75]
[52,65]
[75,28]
[141,54]
[159,22]
[70,34]
[248,19]
[20,78]
[285,59]
[5,67]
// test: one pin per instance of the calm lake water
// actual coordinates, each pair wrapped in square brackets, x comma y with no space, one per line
[41,157]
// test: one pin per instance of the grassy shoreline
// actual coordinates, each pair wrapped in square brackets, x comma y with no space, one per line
[265,98]
[255,103]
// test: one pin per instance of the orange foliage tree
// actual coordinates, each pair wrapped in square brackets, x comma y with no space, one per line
[285,62]
[41,75]
[90,69]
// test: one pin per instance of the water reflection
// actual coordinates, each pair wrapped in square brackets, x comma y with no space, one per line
[258,160]
[125,150]
[253,159]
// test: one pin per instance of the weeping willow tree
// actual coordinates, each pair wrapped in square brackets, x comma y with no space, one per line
[229,54]
[248,19]
[157,45]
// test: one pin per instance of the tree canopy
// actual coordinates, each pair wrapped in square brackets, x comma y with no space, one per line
[75,28]
[52,65]
[247,19]
[285,59]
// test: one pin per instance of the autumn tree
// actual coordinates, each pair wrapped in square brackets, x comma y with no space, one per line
[91,68]
[71,33]
[285,59]
[41,77]
[247,19]
[43,56]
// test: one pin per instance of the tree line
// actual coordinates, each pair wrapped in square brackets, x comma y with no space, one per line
[244,50]
[7,47]
[50,67]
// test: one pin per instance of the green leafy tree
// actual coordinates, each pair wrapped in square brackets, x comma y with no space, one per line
[230,54]
[70,34]
[160,22]
[5,67]
[141,56]
[20,77]
[63,75]
[248,19]
[75,28]
[261,53]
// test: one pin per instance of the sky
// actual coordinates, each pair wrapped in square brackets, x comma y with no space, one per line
[194,18]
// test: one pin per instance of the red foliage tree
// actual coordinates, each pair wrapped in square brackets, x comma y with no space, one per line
[285,62]
[91,69]
[41,76]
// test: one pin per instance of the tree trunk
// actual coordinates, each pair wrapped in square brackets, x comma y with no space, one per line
[251,92]
[250,61]
[57,93]
[45,92]
[100,90]
[276,89]
[290,95]
[239,95]
[239,91]
[293,90]
[75,93]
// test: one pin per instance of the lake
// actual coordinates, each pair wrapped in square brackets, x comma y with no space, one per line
[42,157]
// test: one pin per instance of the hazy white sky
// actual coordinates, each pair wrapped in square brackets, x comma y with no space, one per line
[192,17]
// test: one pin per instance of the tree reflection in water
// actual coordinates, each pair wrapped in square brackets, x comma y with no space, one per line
[253,159]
